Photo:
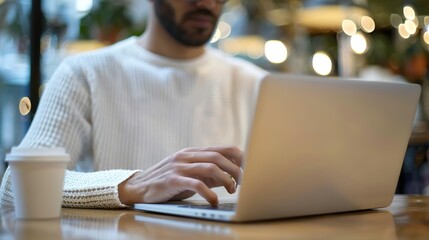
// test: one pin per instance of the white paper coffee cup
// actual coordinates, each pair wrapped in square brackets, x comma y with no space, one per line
[37,176]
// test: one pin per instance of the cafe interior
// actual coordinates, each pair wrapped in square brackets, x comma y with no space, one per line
[367,40]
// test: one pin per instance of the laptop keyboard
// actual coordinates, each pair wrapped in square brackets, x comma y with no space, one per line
[221,206]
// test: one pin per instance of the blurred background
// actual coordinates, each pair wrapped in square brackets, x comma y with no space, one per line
[381,40]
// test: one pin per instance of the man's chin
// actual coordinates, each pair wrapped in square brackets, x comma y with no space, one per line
[194,41]
[194,44]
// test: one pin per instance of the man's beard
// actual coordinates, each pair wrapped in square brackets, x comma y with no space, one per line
[193,38]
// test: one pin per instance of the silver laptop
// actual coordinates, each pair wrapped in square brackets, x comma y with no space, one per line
[316,146]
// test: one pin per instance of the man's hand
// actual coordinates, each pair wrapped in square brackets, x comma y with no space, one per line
[181,175]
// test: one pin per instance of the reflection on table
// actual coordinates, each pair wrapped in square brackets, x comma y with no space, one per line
[414,178]
[406,218]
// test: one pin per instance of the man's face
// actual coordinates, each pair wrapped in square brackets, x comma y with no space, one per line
[187,23]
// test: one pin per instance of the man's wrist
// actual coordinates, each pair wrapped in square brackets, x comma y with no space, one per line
[125,194]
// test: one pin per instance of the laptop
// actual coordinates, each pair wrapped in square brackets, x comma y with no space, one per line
[317,145]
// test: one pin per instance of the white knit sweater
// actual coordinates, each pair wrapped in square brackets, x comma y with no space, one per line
[123,107]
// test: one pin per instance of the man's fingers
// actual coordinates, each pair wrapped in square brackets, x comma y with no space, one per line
[232,153]
[214,158]
[232,183]
[212,175]
[186,183]
[189,171]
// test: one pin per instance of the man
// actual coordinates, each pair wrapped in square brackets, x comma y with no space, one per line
[130,105]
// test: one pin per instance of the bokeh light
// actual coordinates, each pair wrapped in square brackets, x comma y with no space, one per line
[367,24]
[410,27]
[403,31]
[349,27]
[322,63]
[83,5]
[275,51]
[24,106]
[426,37]
[216,36]
[409,12]
[359,43]
[395,20]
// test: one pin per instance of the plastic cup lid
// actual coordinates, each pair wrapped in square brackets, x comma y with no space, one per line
[39,153]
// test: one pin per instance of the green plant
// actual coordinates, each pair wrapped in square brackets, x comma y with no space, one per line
[107,21]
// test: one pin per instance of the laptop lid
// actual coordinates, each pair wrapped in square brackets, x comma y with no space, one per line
[320,145]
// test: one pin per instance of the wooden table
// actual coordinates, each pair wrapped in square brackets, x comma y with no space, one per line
[406,218]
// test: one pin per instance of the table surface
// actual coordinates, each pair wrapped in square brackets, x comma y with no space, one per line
[406,218]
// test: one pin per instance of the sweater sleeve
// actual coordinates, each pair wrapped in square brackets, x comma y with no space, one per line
[63,119]
[81,190]
[94,189]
